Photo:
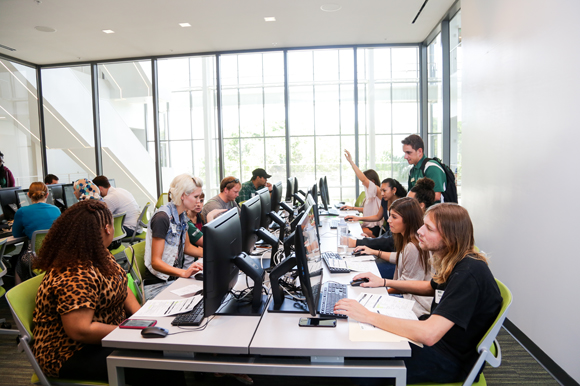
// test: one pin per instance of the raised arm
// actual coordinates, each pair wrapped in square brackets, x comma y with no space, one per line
[359,174]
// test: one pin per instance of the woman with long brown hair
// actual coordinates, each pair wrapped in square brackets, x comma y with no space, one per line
[82,298]
[412,263]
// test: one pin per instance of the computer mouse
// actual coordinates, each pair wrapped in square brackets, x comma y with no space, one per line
[355,283]
[198,276]
[154,332]
[357,253]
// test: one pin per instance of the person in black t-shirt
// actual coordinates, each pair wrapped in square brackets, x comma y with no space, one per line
[466,300]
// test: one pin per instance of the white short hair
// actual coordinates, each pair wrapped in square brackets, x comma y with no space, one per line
[183,184]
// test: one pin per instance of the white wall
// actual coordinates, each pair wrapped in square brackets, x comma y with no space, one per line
[521,164]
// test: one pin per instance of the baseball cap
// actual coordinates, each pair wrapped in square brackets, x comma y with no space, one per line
[260,173]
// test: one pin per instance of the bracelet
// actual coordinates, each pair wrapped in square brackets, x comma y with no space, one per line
[385,282]
[380,252]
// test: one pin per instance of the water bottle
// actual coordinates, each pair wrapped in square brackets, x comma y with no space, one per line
[342,237]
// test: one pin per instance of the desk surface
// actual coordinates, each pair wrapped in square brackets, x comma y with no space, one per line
[272,334]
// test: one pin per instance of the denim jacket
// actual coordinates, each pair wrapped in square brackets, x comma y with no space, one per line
[175,238]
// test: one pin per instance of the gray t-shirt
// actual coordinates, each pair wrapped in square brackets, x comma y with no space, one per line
[217,203]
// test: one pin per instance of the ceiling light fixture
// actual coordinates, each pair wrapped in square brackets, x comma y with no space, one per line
[108,31]
[270,18]
[7,48]
[184,25]
[420,10]
[44,29]
[330,7]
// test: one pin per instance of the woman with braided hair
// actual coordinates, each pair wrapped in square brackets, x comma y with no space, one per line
[82,298]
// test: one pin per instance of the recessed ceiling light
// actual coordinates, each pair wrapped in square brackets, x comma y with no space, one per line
[44,29]
[330,7]
[270,18]
[2,117]
[184,25]
[108,31]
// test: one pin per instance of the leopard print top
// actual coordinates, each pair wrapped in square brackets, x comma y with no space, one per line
[60,293]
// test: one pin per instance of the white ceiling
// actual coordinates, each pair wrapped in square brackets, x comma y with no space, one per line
[150,27]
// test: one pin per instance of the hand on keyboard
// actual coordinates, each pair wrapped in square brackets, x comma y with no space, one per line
[353,309]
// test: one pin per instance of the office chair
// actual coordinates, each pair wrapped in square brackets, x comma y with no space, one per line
[5,327]
[360,200]
[488,347]
[37,239]
[142,222]
[120,233]
[22,300]
[136,281]
[163,199]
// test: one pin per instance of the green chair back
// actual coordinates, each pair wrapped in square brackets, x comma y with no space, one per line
[359,201]
[139,258]
[22,300]
[37,239]
[163,199]
[118,220]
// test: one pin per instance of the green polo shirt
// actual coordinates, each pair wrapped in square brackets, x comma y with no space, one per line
[248,191]
[193,233]
[433,171]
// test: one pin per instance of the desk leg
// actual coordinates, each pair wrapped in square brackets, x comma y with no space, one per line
[400,378]
[116,374]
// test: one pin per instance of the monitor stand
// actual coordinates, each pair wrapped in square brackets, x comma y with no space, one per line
[233,306]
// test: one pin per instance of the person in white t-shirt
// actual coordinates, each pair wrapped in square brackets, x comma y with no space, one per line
[119,200]
[372,203]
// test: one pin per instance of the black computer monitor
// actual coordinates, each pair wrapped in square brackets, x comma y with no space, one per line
[323,193]
[289,189]
[276,197]
[9,202]
[222,260]
[264,195]
[22,198]
[69,195]
[306,245]
[296,191]
[58,196]
[250,217]
[314,193]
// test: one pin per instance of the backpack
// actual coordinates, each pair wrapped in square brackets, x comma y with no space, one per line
[450,193]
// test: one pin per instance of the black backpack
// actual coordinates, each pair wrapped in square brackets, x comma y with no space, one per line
[450,193]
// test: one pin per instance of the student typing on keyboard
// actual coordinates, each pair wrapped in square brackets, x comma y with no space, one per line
[465,304]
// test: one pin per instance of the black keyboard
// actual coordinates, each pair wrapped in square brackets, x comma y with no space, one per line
[330,294]
[334,262]
[191,318]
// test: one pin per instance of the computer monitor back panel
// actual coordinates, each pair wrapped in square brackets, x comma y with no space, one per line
[112,182]
[323,195]
[250,218]
[265,204]
[276,197]
[69,196]
[222,242]
[289,189]
[9,201]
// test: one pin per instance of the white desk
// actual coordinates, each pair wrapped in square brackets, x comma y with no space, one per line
[269,345]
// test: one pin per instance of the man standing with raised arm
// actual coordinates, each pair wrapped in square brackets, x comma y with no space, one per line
[466,300]
[413,147]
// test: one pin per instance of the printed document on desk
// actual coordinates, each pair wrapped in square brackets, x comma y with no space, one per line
[167,307]
[385,305]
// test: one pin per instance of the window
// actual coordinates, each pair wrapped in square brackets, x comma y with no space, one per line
[435,98]
[456,59]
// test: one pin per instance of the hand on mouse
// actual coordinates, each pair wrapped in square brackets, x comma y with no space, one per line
[374,280]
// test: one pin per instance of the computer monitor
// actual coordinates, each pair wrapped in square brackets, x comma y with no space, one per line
[289,189]
[112,182]
[9,202]
[314,193]
[250,217]
[58,196]
[222,260]
[264,195]
[69,195]
[307,246]
[276,197]
[296,191]
[24,200]
[323,193]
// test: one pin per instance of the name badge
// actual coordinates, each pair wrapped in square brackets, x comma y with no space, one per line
[173,228]
[438,296]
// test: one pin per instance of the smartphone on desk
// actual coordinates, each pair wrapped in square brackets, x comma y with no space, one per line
[317,322]
[138,323]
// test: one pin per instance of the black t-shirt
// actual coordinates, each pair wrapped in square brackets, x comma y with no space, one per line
[385,205]
[159,225]
[471,299]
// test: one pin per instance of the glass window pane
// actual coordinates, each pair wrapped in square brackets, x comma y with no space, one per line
[456,65]
[435,96]
[68,120]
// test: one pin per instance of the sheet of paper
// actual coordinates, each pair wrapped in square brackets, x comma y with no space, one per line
[167,307]
[355,229]
[189,290]
[361,266]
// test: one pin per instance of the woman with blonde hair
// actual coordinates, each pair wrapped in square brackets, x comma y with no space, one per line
[167,239]
[29,219]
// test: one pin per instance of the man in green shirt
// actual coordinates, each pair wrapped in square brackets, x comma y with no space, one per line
[413,148]
[258,181]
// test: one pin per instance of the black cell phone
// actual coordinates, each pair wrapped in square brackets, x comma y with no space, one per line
[317,322]
[138,323]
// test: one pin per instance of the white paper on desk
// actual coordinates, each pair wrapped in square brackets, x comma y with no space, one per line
[167,307]
[361,266]
[355,229]
[187,290]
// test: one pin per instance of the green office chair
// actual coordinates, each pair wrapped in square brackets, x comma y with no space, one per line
[37,239]
[22,300]
[488,347]
[142,222]
[359,201]
[119,231]
[136,281]
[163,199]
[5,327]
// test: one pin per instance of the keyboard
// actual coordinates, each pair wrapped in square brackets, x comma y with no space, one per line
[191,318]
[330,294]
[334,262]
[333,212]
